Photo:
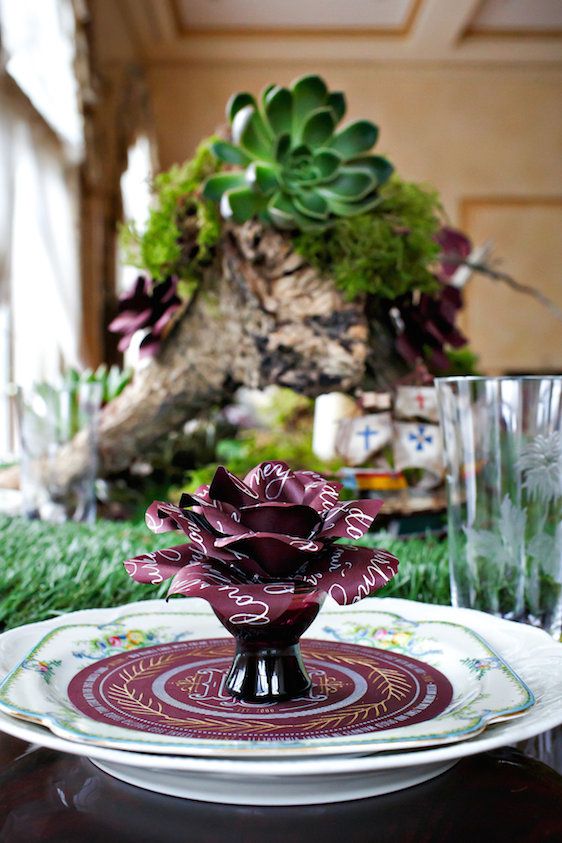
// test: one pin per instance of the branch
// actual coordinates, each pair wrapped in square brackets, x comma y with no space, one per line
[476,262]
[496,275]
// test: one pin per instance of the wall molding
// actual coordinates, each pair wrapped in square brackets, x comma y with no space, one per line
[468,206]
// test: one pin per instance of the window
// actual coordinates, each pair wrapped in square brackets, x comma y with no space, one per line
[135,199]
[38,37]
[40,148]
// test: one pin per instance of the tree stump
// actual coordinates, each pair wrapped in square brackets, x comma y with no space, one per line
[261,316]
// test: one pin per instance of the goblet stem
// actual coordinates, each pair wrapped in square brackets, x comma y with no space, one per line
[267,672]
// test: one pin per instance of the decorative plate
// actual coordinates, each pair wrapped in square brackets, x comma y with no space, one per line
[314,779]
[150,680]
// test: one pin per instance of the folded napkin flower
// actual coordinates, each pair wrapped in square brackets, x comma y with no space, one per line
[256,543]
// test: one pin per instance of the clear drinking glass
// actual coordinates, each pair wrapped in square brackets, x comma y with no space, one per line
[503,456]
[49,419]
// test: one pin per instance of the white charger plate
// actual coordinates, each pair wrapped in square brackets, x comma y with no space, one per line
[312,780]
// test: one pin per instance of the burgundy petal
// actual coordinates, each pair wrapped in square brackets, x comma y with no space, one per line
[407,350]
[193,500]
[348,573]
[129,321]
[320,494]
[124,342]
[196,528]
[279,556]
[274,481]
[200,576]
[201,498]
[162,516]
[166,317]
[236,603]
[159,523]
[227,487]
[160,565]
[455,248]
[164,292]
[203,492]
[222,522]
[149,346]
[291,519]
[350,520]
[147,304]
[138,292]
[438,360]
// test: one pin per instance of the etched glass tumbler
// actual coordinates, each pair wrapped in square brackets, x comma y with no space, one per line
[53,487]
[503,454]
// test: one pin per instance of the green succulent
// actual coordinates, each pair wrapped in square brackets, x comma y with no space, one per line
[289,165]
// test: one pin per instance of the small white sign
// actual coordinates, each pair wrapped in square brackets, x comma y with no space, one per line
[416,402]
[418,445]
[360,438]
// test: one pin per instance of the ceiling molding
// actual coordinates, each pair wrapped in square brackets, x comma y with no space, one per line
[400,31]
[493,31]
[469,209]
[515,34]
[435,32]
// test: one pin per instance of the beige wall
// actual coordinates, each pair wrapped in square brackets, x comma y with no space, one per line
[485,136]
[467,130]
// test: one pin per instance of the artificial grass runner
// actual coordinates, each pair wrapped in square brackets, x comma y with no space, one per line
[50,569]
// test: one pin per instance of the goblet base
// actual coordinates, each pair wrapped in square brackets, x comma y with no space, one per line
[263,672]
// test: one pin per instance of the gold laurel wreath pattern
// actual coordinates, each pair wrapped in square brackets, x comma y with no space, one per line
[391,683]
[135,702]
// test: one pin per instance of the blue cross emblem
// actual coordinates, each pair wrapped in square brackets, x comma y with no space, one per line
[421,438]
[367,432]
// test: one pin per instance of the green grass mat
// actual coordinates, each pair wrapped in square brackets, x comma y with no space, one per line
[47,570]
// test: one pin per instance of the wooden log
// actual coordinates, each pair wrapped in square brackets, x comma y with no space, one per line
[262,316]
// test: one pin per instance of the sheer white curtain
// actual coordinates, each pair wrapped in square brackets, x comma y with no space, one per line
[38,37]
[6,216]
[136,200]
[40,148]
[45,293]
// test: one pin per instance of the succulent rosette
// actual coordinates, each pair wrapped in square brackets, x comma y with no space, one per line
[289,165]
[147,305]
[455,249]
[427,327]
[427,323]
[258,542]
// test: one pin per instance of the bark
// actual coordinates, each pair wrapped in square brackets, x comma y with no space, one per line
[262,316]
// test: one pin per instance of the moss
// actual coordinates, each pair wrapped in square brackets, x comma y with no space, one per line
[253,446]
[386,252]
[462,361]
[178,209]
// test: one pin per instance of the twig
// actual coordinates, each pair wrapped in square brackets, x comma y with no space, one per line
[475,263]
[496,275]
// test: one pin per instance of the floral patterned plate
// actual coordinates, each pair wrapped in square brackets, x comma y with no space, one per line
[485,689]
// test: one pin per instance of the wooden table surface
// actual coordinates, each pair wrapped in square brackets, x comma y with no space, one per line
[504,795]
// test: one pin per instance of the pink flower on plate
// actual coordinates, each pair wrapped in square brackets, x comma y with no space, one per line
[257,542]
